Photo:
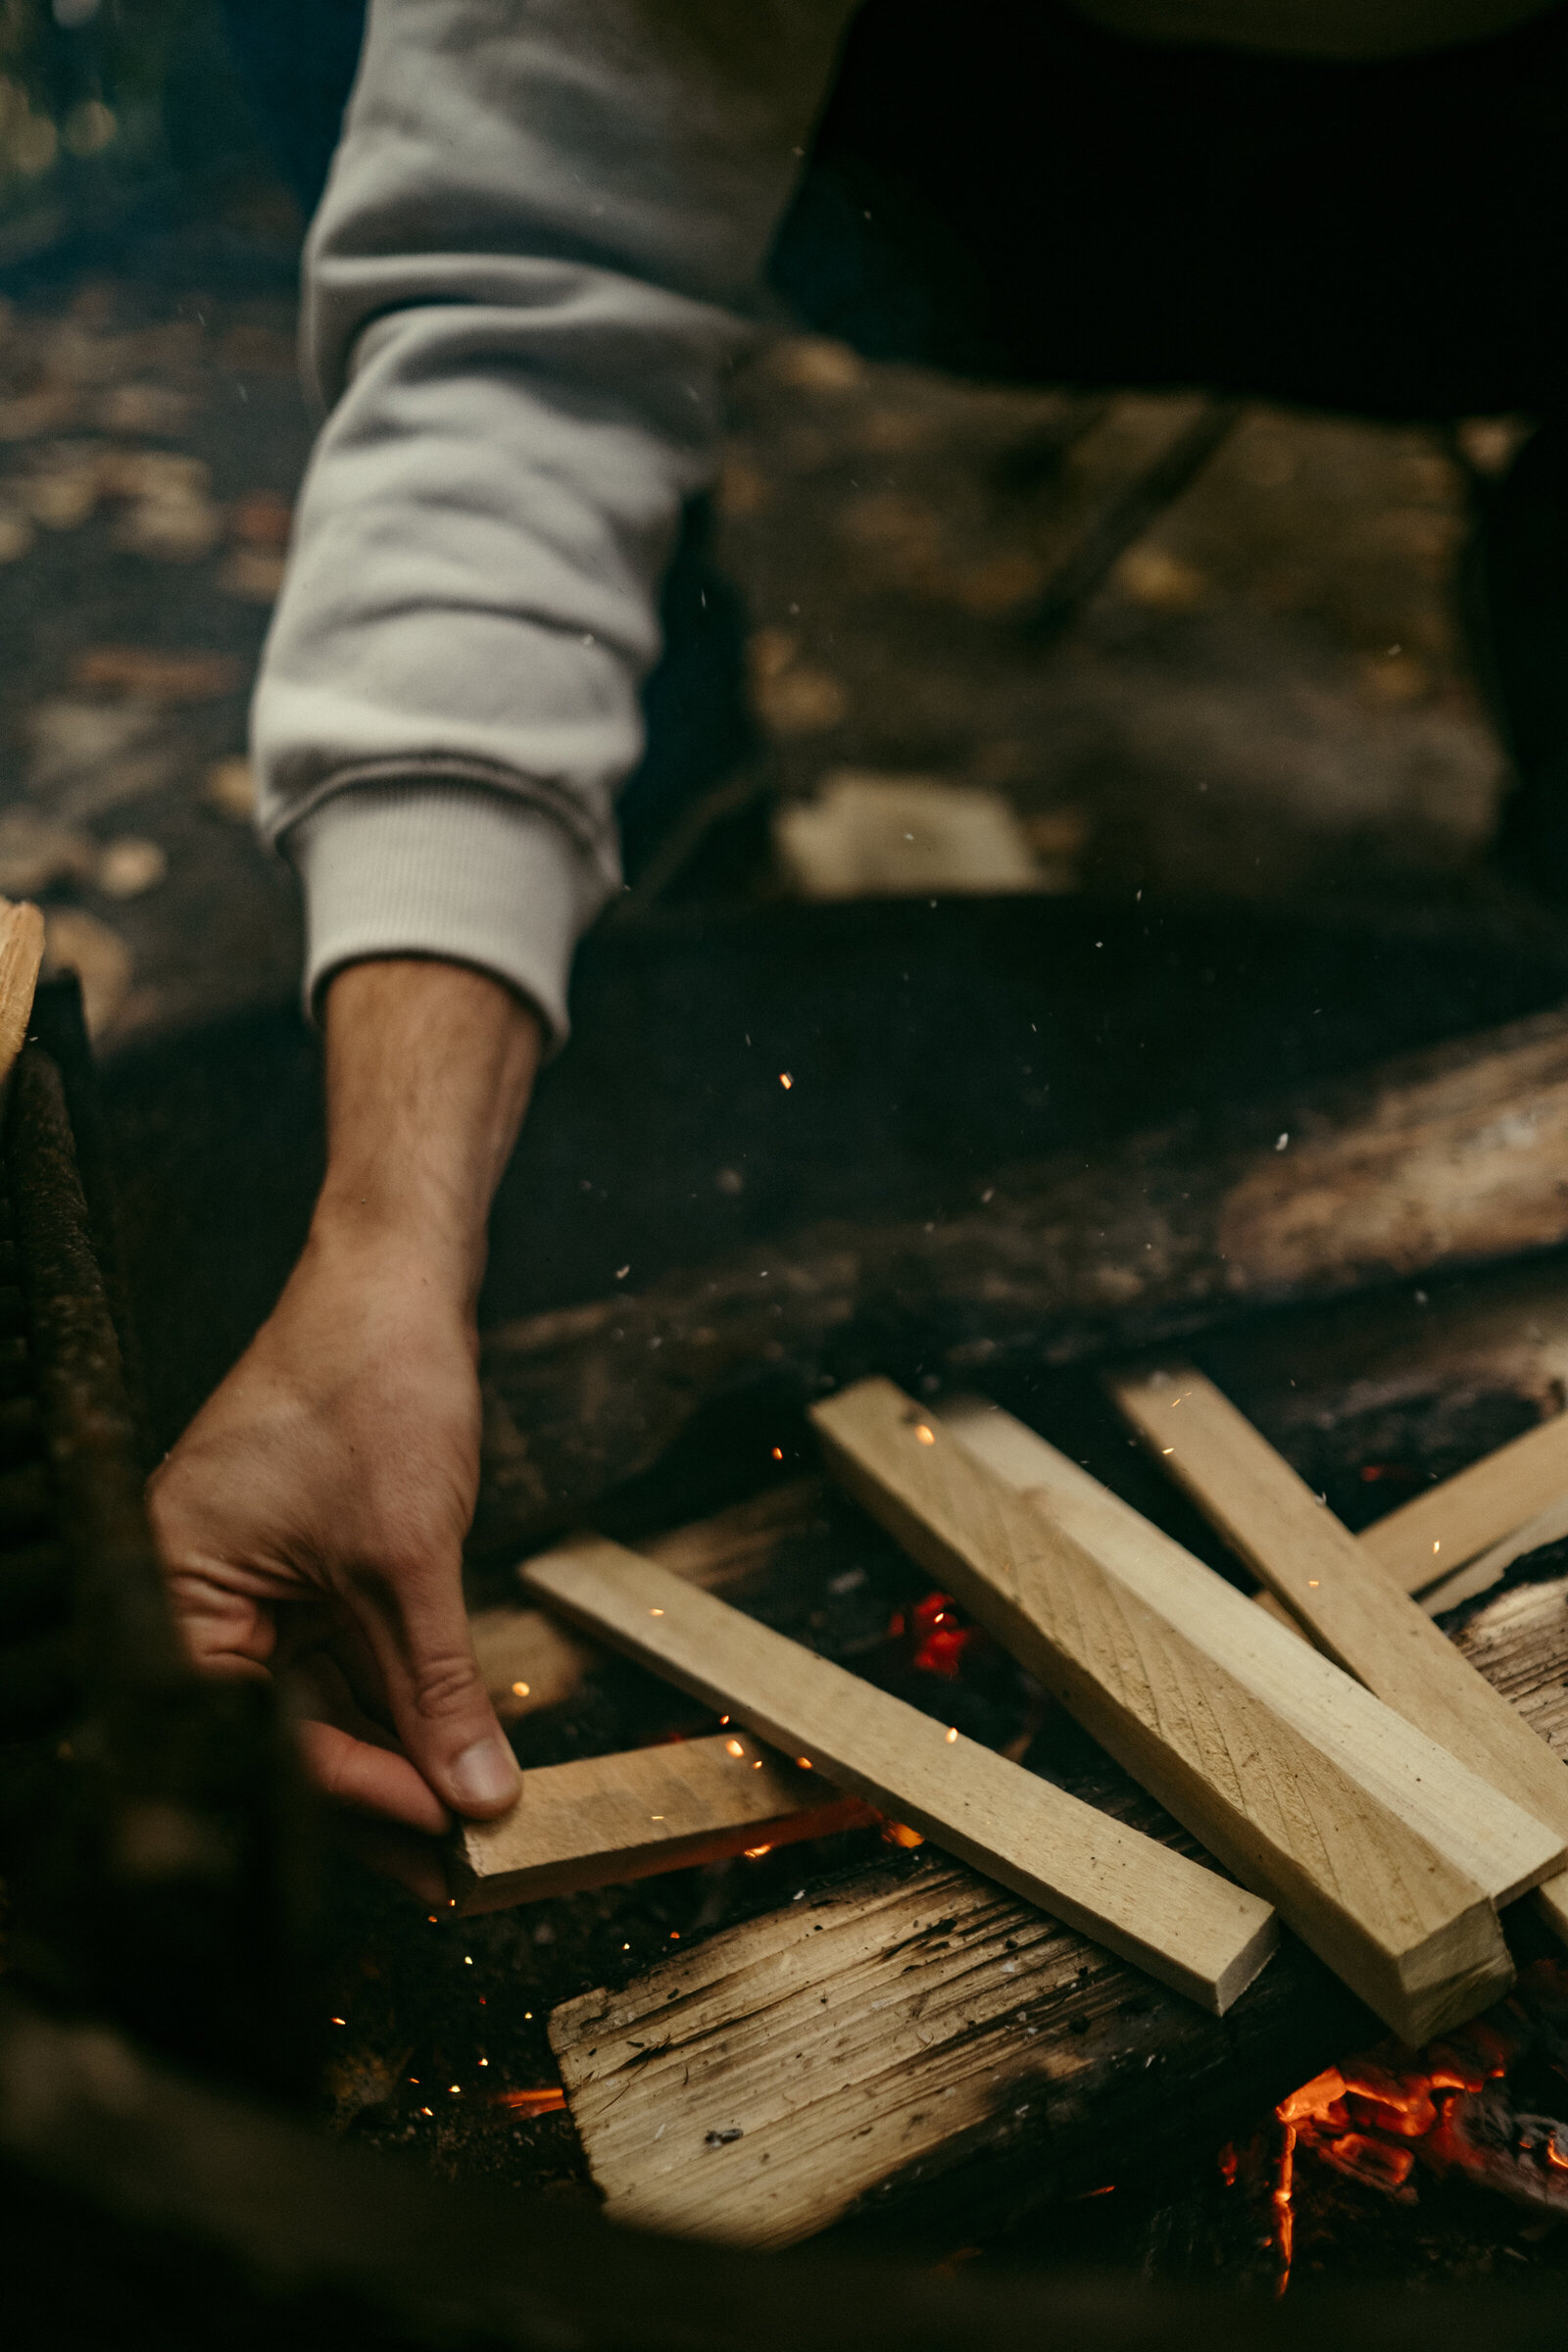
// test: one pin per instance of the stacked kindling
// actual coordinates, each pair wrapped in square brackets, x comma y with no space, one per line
[1379,1799]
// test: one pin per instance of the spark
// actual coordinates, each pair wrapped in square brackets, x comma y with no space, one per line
[655,1612]
[467,1961]
[952,1737]
[734,1748]
[927,1437]
[785,1080]
[339,2021]
[805,1763]
[778,1454]
[519,1691]
[754,1853]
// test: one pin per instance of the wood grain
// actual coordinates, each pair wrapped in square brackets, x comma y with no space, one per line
[1176,1675]
[878,2056]
[1352,1608]
[604,1818]
[863,2043]
[1502,1848]
[531,1661]
[20,958]
[1183,1924]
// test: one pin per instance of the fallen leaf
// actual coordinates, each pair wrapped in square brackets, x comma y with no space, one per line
[803,702]
[175,530]
[262,520]
[132,865]
[153,675]
[49,410]
[1149,576]
[143,409]
[230,786]
[254,573]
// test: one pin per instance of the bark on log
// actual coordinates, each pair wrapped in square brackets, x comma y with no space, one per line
[1453,1158]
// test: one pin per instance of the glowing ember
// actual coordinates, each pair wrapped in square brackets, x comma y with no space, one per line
[938,1630]
[530,2102]
[1463,2104]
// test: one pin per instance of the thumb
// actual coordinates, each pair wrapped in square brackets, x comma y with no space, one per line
[436,1693]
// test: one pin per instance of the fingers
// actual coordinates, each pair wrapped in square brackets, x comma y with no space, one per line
[417,1626]
[370,1780]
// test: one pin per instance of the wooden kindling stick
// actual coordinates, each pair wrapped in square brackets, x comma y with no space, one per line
[1459,1538]
[1337,1591]
[604,1818]
[1383,1852]
[1183,1924]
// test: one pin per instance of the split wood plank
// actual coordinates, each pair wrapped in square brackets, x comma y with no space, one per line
[1418,1779]
[908,2041]
[1350,1605]
[1489,1568]
[531,1661]
[1180,1922]
[601,1820]
[1473,1513]
[21,959]
[1177,1676]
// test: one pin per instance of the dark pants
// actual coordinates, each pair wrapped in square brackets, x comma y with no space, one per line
[1051,203]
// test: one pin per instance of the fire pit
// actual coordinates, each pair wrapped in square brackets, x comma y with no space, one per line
[166,1899]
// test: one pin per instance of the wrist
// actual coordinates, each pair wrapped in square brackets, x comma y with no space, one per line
[429,1067]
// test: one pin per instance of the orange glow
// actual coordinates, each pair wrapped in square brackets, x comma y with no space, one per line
[927,1437]
[733,1748]
[530,2102]
[898,1833]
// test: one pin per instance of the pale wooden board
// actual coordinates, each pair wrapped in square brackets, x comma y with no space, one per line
[1489,1568]
[1352,1608]
[1129,1651]
[1437,1532]
[730,1552]
[604,1818]
[21,955]
[1185,1925]
[1504,1849]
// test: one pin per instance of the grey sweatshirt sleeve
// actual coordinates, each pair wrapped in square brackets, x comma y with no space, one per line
[534,264]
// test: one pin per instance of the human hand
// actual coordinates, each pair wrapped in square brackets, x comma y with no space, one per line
[311,1523]
[311,1518]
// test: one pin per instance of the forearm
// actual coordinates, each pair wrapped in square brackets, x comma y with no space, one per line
[429,1068]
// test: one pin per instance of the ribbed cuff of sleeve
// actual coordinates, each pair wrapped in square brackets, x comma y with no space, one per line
[449,870]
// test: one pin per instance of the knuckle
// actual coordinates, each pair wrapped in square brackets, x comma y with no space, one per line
[446,1683]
